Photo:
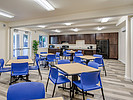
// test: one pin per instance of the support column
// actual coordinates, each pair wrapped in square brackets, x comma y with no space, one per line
[128,49]
[132,48]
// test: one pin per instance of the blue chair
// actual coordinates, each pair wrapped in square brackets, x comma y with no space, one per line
[78,54]
[43,52]
[97,55]
[65,61]
[65,54]
[22,57]
[1,67]
[50,59]
[57,55]
[57,79]
[88,82]
[80,51]
[36,67]
[93,64]
[100,62]
[19,71]
[26,91]
[78,60]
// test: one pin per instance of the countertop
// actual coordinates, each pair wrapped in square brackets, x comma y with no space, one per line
[74,49]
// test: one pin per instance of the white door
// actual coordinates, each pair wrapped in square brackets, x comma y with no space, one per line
[21,44]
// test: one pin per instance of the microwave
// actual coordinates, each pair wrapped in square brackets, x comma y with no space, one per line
[51,46]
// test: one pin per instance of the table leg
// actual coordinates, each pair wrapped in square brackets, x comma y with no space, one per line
[71,56]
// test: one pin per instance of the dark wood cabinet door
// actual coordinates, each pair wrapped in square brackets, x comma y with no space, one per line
[72,39]
[113,38]
[113,51]
[90,38]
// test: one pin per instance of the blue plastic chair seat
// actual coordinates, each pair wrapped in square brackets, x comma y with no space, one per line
[5,69]
[87,88]
[18,73]
[61,80]
[33,67]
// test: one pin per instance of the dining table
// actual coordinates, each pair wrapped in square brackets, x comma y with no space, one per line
[87,58]
[74,69]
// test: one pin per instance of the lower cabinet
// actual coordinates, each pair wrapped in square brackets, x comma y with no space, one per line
[53,50]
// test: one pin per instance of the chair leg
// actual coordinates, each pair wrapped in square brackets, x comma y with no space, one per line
[39,73]
[70,91]
[102,93]
[10,80]
[0,74]
[47,84]
[54,90]
[27,78]
[83,95]
[104,70]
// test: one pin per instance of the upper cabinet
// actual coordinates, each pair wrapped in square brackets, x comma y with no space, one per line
[53,39]
[90,38]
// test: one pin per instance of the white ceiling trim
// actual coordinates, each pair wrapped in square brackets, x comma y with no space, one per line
[85,15]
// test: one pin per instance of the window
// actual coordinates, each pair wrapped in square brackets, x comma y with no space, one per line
[42,41]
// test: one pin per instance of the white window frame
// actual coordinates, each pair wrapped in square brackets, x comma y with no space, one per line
[42,41]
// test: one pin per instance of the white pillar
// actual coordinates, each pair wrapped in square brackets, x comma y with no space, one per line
[132,48]
[128,49]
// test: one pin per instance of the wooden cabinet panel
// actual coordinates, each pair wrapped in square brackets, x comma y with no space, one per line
[113,38]
[72,39]
[113,51]
[101,36]
[90,39]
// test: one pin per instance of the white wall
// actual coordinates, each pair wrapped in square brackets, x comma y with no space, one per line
[35,36]
[132,48]
[122,45]
[3,41]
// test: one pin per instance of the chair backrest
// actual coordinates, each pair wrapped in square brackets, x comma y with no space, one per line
[51,57]
[43,52]
[65,61]
[97,55]
[37,55]
[80,51]
[53,74]
[99,61]
[90,79]
[93,64]
[26,91]
[77,59]
[19,68]
[78,54]
[1,63]
[22,57]
[57,54]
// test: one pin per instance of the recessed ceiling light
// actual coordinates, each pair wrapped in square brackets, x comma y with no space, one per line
[41,26]
[68,24]
[100,28]
[45,4]
[58,31]
[105,20]
[75,29]
[6,14]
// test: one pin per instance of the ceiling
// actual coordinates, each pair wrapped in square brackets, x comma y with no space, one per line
[28,9]
[25,10]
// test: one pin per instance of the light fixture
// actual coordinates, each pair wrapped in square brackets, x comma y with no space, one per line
[75,29]
[6,14]
[68,24]
[105,20]
[58,31]
[99,28]
[45,4]
[41,26]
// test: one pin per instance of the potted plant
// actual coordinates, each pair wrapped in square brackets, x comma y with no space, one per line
[35,47]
